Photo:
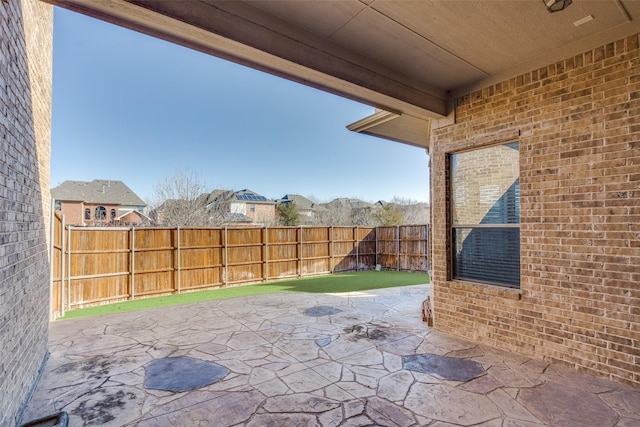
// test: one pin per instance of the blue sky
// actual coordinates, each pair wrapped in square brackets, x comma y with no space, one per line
[137,109]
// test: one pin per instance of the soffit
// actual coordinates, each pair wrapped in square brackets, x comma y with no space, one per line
[451,45]
[368,30]
[492,36]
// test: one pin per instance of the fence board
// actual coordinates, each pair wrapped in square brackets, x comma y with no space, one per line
[57,260]
[154,261]
[201,258]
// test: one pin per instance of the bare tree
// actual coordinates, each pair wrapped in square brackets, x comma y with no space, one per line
[218,207]
[178,201]
[413,212]
[333,215]
[346,212]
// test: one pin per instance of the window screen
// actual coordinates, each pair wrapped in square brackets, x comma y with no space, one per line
[485,215]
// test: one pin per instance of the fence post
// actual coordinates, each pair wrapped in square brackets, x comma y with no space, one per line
[356,239]
[419,242]
[331,249]
[226,257]
[178,255]
[63,247]
[398,248]
[132,242]
[376,231]
[300,252]
[266,253]
[52,233]
[68,299]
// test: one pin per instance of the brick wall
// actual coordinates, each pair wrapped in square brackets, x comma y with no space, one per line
[92,209]
[578,124]
[131,218]
[73,213]
[25,108]
[265,213]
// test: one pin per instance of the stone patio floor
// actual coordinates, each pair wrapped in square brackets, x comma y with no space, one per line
[307,360]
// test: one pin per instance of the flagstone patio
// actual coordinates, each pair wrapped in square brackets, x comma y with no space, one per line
[356,359]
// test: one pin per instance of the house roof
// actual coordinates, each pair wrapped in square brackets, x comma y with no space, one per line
[97,191]
[345,202]
[249,196]
[301,202]
[217,197]
[207,198]
[409,59]
[235,217]
[141,215]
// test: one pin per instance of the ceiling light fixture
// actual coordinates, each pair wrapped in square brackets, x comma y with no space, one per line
[556,5]
[583,20]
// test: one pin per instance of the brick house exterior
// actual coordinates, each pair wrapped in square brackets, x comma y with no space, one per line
[244,204]
[99,203]
[576,122]
[305,207]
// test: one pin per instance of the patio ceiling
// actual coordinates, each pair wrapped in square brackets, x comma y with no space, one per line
[409,58]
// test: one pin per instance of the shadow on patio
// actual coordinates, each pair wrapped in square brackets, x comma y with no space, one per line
[356,359]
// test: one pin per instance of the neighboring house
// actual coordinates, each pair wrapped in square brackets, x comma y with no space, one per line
[207,198]
[243,205]
[305,207]
[99,203]
[231,218]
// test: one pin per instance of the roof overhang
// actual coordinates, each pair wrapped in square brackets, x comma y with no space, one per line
[127,212]
[237,32]
[398,127]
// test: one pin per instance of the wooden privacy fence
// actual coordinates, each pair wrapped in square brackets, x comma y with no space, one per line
[93,266]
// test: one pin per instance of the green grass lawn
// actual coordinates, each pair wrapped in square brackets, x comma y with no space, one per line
[333,283]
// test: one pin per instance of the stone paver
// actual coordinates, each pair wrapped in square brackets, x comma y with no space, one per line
[445,367]
[309,360]
[182,374]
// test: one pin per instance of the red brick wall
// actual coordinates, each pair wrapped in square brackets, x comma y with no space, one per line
[73,213]
[92,207]
[131,217]
[578,124]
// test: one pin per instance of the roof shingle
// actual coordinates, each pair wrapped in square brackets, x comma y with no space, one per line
[97,191]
